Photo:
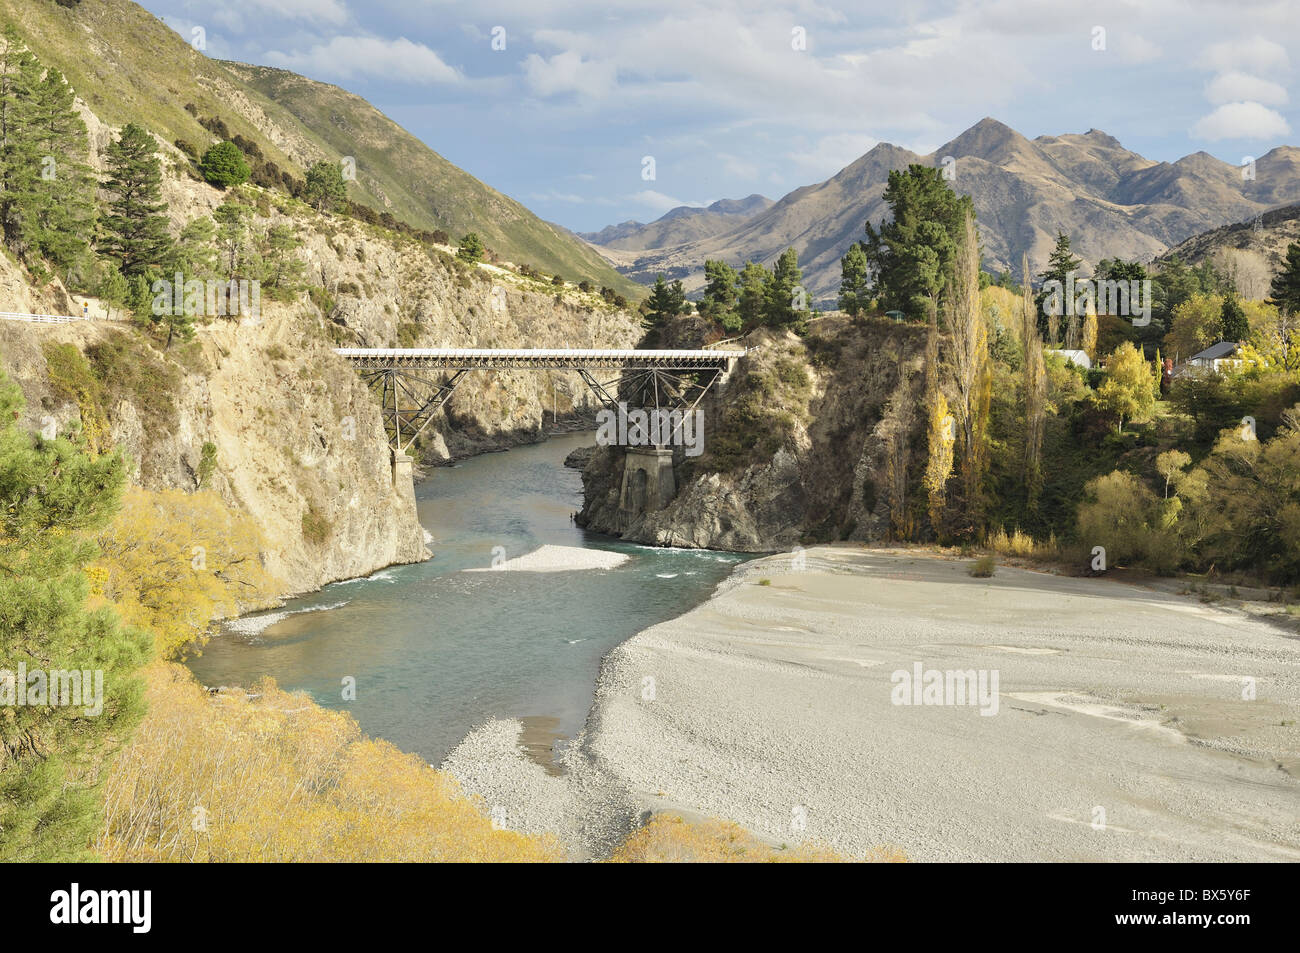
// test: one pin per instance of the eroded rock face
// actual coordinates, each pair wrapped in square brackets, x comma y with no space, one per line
[296,432]
[831,472]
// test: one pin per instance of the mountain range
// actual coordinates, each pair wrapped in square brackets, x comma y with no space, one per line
[685,223]
[1111,201]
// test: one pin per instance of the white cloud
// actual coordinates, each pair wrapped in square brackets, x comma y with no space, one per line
[1254,53]
[1133,47]
[556,196]
[830,154]
[659,202]
[1241,121]
[568,72]
[737,169]
[348,56]
[242,16]
[1236,87]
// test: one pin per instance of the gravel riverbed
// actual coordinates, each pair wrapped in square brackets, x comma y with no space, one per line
[1127,723]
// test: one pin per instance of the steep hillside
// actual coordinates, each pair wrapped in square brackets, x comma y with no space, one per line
[1253,250]
[1111,202]
[129,66]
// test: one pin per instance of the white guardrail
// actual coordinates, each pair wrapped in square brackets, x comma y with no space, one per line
[42,318]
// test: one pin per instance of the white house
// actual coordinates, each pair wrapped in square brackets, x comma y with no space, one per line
[1077,358]
[1216,357]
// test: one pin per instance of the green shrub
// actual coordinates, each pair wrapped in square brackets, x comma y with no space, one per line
[207,462]
[224,165]
[408,334]
[322,299]
[983,568]
[471,249]
[316,528]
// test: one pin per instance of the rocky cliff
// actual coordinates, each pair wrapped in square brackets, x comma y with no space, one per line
[808,440]
[295,438]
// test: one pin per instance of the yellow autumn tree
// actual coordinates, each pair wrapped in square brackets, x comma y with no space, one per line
[1128,391]
[938,467]
[1088,338]
[172,561]
[969,363]
[940,429]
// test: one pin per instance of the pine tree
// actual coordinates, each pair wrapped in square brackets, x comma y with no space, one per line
[325,186]
[56,494]
[46,193]
[721,294]
[196,251]
[231,234]
[1284,292]
[855,290]
[754,279]
[784,296]
[1235,326]
[65,199]
[913,252]
[664,303]
[224,165]
[1060,264]
[135,230]
[282,270]
[20,164]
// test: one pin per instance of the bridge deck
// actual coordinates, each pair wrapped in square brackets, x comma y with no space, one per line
[574,358]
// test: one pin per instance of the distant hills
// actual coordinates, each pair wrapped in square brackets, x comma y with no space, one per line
[129,66]
[1111,201]
[685,223]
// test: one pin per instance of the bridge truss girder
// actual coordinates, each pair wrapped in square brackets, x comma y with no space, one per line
[411,386]
[654,388]
[408,401]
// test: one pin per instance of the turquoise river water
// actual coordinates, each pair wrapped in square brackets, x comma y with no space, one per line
[436,650]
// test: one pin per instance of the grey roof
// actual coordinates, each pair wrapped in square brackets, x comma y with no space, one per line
[1216,351]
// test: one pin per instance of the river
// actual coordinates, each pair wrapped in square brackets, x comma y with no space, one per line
[435,650]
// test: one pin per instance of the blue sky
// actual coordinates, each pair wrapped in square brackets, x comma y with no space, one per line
[735,98]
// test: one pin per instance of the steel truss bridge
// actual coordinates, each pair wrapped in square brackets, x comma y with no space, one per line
[413,384]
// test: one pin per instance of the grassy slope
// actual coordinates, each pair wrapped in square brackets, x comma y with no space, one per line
[130,66]
[423,187]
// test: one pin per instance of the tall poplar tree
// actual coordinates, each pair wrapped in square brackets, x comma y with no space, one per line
[1035,390]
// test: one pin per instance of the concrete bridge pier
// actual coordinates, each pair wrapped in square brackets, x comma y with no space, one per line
[648,481]
[403,473]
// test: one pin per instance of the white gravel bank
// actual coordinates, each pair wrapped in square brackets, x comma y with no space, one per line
[1121,730]
[550,558]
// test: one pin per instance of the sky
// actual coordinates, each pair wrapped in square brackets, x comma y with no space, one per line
[560,105]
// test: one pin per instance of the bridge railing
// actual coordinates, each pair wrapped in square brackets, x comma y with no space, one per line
[572,358]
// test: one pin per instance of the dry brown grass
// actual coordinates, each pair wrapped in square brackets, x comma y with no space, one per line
[1023,546]
[271,776]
